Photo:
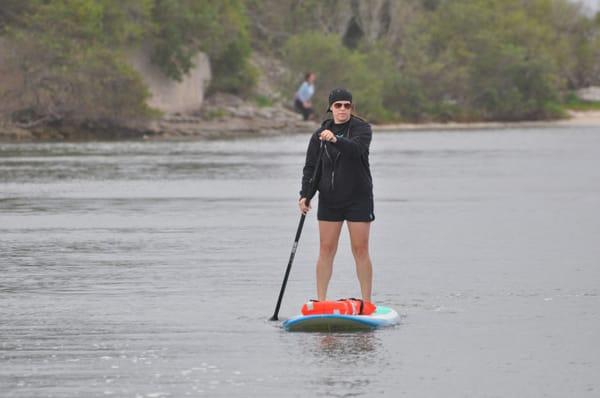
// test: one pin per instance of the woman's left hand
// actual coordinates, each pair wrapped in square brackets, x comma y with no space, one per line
[327,135]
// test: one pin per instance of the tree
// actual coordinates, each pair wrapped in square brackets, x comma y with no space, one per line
[66,70]
[492,59]
[66,58]
[182,28]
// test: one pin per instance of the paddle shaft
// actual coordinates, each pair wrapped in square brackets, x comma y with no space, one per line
[298,232]
[289,267]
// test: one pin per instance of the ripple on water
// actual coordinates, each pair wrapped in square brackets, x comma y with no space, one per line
[150,269]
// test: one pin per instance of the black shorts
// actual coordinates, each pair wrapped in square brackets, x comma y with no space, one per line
[358,211]
[299,106]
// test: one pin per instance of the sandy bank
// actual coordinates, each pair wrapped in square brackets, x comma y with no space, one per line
[588,118]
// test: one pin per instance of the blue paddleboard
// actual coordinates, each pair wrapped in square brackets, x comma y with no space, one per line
[382,317]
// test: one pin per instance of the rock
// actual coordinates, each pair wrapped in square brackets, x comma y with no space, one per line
[168,95]
[222,100]
[589,93]
[266,113]
[13,133]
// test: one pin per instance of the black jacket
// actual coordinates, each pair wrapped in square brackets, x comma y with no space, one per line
[345,175]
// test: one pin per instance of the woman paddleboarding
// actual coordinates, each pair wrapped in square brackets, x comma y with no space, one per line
[345,189]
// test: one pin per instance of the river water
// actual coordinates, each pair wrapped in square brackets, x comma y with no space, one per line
[136,269]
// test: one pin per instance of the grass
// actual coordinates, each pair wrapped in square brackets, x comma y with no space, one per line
[575,103]
[214,114]
[262,101]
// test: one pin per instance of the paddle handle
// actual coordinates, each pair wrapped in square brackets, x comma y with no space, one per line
[289,267]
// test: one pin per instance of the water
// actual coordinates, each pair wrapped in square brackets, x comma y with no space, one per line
[149,269]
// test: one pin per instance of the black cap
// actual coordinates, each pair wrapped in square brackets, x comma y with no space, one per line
[338,94]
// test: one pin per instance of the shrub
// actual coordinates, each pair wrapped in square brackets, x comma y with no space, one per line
[338,66]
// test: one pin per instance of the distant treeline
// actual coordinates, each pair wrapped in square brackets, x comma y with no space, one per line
[441,59]
[436,60]
[64,60]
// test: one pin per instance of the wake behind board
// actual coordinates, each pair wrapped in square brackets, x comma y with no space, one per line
[382,317]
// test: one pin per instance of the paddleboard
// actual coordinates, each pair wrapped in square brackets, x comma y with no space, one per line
[382,317]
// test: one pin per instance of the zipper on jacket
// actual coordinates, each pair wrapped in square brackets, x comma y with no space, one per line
[334,161]
[333,165]
[333,180]
[333,172]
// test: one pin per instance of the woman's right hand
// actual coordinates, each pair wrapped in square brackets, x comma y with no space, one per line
[304,207]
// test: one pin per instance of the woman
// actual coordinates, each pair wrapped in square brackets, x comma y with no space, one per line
[303,95]
[345,189]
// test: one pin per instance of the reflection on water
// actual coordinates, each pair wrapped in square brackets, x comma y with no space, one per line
[149,269]
[346,346]
[343,364]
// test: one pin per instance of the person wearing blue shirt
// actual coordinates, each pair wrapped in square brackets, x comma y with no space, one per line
[302,97]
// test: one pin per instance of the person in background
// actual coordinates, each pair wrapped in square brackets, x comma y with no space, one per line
[303,95]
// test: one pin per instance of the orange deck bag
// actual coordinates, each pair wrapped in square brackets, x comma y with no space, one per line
[350,306]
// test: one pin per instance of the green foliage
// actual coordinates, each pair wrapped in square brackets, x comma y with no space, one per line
[492,59]
[109,90]
[125,22]
[215,114]
[573,102]
[178,27]
[338,66]
[263,101]
[13,12]
[448,60]
[233,72]
[182,28]
[437,59]
[67,57]
[275,21]
[69,70]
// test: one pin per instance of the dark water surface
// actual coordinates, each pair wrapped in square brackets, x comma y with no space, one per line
[149,269]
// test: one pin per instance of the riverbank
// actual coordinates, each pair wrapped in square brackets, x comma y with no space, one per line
[576,118]
[245,121]
[221,116]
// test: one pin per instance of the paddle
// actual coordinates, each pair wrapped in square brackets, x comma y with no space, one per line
[313,189]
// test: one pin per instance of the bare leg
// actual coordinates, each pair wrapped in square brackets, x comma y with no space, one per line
[329,232]
[359,239]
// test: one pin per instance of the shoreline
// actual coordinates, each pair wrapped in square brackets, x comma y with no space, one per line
[577,118]
[193,128]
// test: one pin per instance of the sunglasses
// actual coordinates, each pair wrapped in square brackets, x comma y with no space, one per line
[339,105]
